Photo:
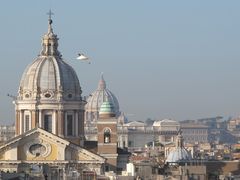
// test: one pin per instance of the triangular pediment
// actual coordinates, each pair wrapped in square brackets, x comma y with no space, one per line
[35,134]
[40,145]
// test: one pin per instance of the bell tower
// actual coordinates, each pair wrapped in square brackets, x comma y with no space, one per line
[107,135]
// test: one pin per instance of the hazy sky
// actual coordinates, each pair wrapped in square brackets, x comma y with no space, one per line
[162,59]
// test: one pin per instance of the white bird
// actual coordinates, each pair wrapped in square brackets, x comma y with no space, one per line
[82,57]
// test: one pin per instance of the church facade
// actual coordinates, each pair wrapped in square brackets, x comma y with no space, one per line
[46,154]
[49,119]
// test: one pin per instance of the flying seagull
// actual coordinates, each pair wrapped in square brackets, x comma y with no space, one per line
[82,57]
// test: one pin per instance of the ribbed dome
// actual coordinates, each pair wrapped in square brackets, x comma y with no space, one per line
[49,77]
[99,96]
[179,154]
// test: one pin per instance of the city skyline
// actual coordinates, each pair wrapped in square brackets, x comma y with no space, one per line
[161,60]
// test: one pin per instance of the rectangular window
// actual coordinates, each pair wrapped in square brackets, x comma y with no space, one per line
[70,125]
[26,123]
[48,122]
[106,168]
[130,143]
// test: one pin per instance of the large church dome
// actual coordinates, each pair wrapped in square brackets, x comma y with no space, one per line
[49,77]
[49,94]
[96,99]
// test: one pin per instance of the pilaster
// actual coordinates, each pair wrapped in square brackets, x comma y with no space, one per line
[17,123]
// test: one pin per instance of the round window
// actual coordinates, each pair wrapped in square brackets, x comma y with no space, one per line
[47,95]
[37,149]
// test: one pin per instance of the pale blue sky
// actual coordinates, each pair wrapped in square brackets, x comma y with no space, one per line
[162,59]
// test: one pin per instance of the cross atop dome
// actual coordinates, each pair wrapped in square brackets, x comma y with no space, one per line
[50,13]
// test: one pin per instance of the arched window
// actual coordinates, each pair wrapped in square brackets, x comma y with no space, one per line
[107,136]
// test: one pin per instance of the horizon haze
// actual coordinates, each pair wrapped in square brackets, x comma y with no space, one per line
[161,59]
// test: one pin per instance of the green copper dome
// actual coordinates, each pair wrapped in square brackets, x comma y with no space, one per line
[107,108]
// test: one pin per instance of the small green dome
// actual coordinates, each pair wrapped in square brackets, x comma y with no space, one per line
[107,108]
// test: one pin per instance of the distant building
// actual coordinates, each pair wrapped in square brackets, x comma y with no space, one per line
[6,132]
[167,127]
[136,135]
[141,168]
[233,124]
[195,132]
[132,135]
[186,172]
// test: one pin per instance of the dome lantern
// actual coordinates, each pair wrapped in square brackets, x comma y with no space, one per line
[102,83]
[50,40]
